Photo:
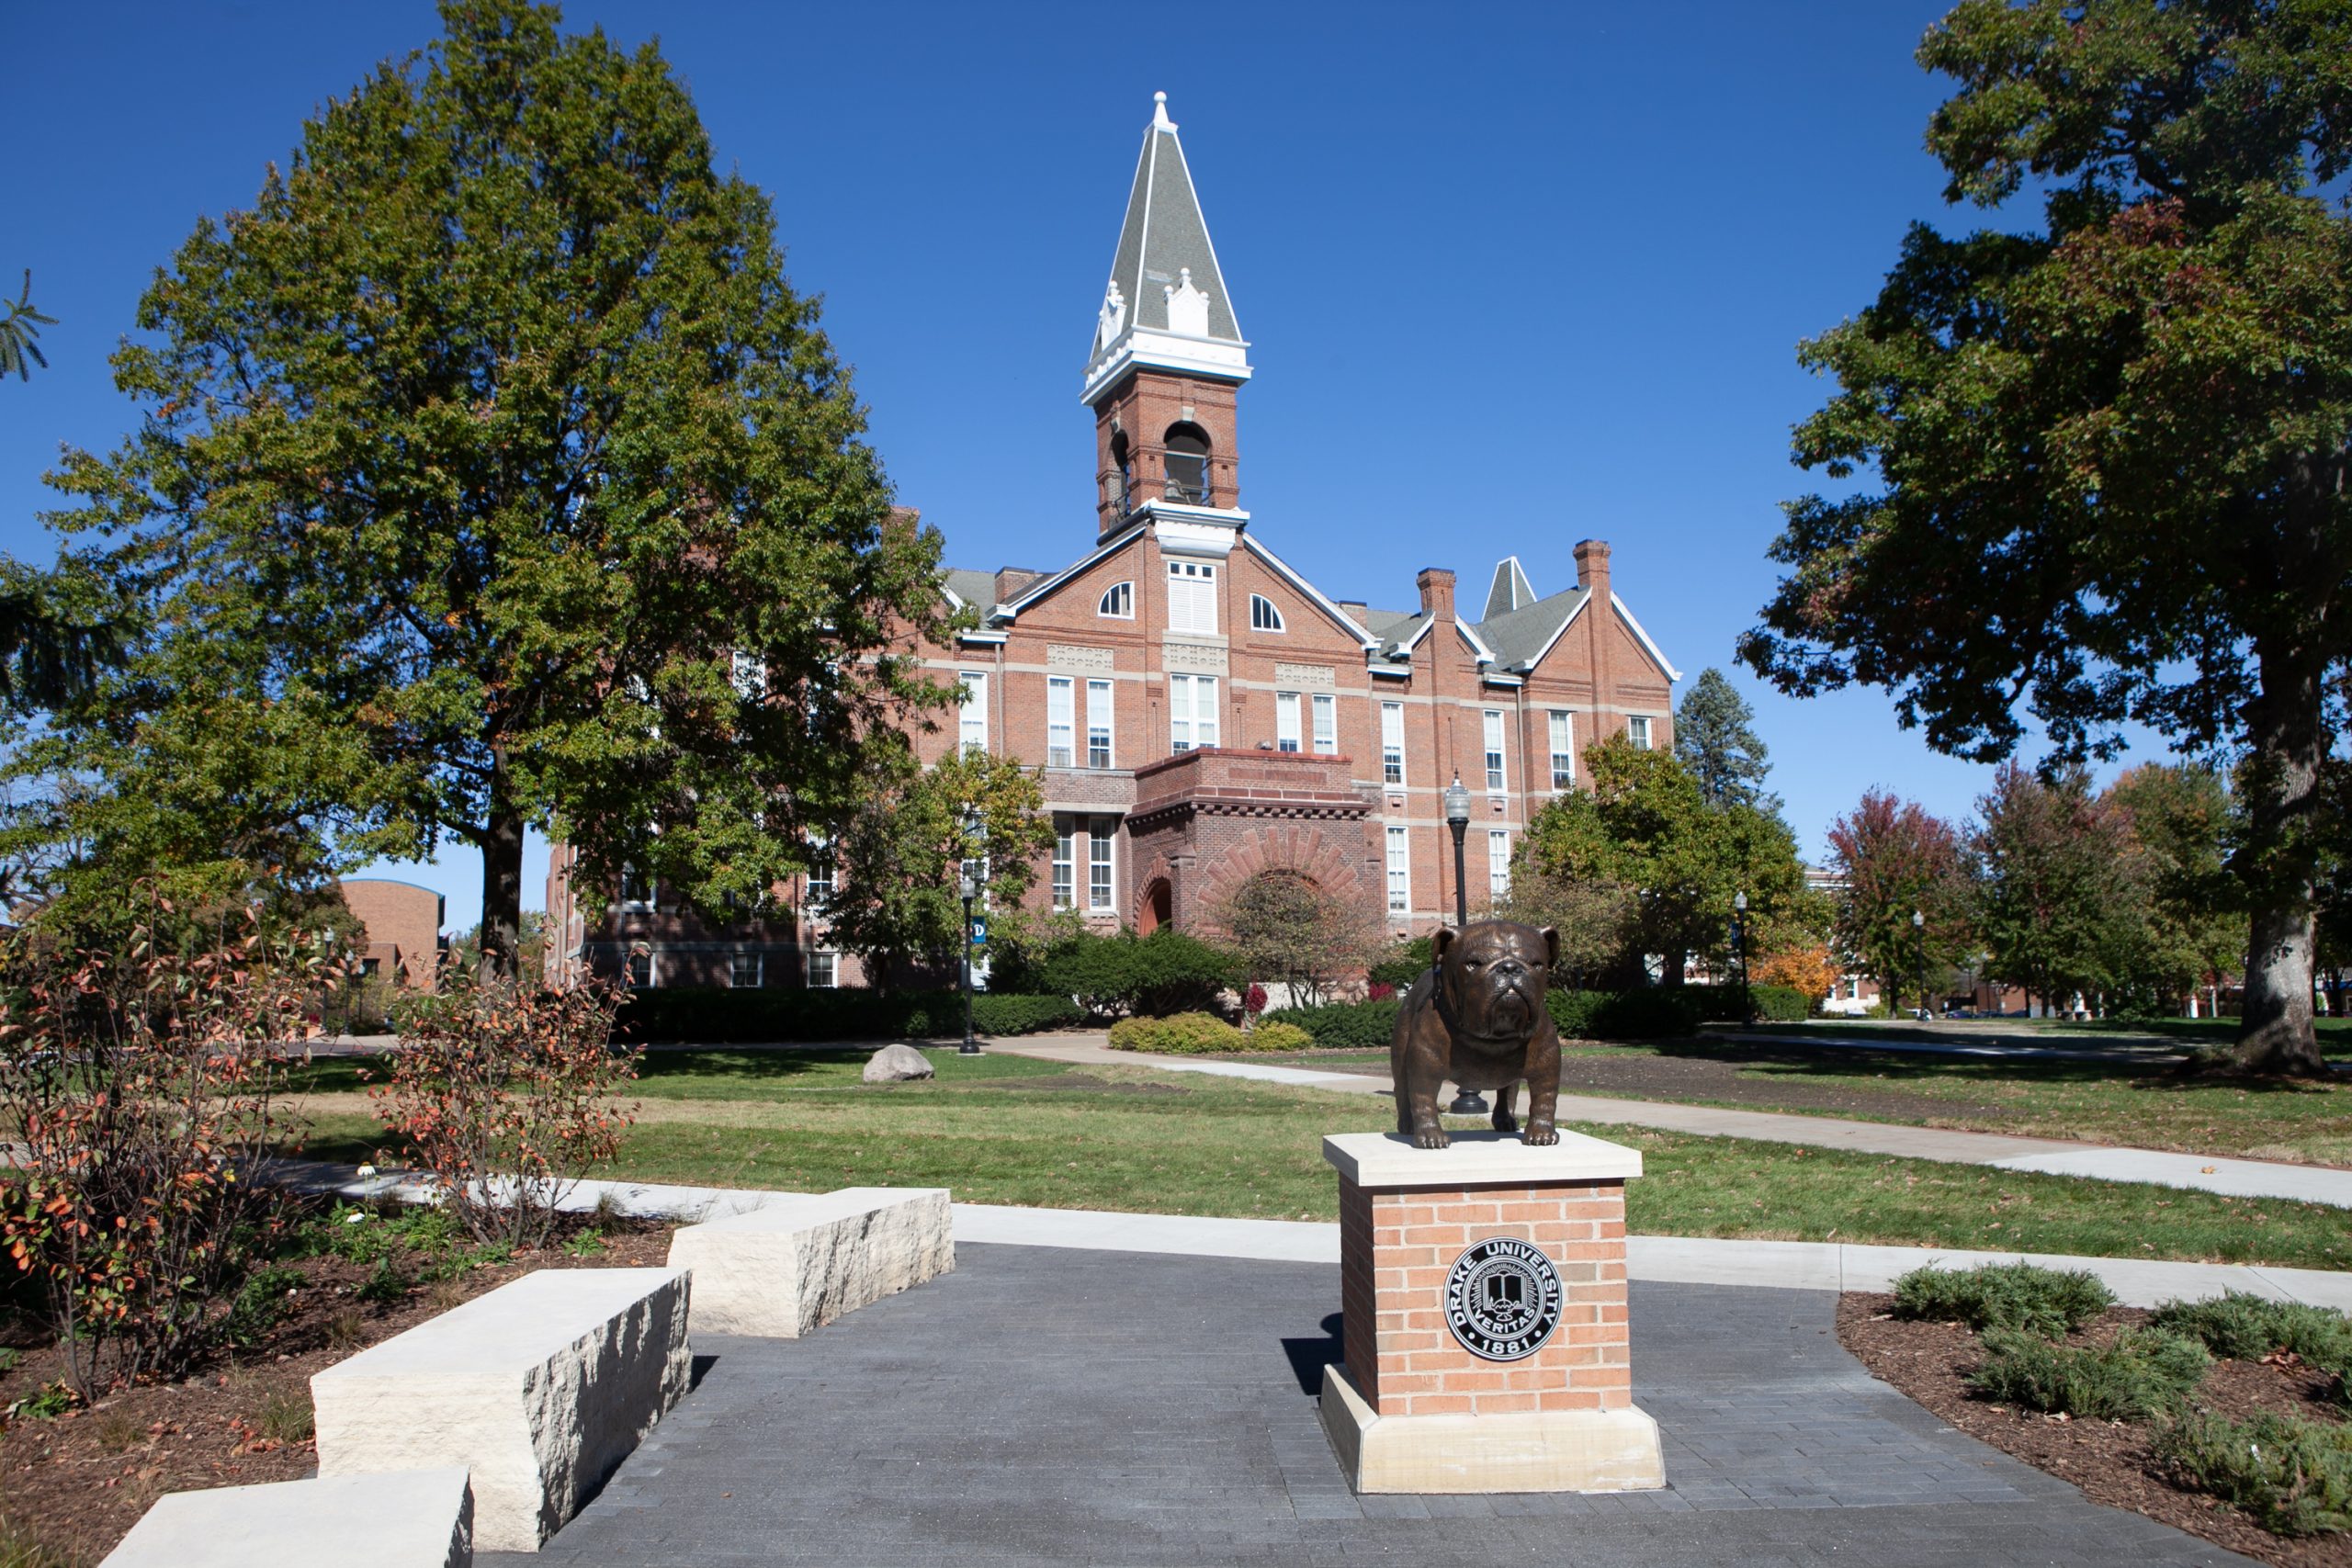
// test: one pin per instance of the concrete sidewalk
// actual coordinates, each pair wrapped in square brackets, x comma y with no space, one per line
[2050,1156]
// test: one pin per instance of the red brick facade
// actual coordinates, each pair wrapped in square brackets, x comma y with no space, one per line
[402,924]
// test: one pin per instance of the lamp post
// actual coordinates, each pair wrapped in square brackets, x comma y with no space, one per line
[1739,954]
[1466,1101]
[1919,937]
[970,885]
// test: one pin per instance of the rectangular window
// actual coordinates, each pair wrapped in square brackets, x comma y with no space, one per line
[750,673]
[1097,724]
[1499,865]
[1495,783]
[1286,721]
[972,727]
[820,871]
[640,970]
[1065,869]
[1192,596]
[1062,721]
[1638,730]
[1191,712]
[1563,750]
[1400,871]
[747,971]
[824,970]
[1392,742]
[1098,863]
[1326,724]
[637,889]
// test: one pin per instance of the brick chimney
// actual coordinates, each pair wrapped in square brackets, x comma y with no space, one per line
[1592,567]
[1012,580]
[1436,584]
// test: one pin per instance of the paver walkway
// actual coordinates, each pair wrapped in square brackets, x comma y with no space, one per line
[2209,1173]
[1044,1406]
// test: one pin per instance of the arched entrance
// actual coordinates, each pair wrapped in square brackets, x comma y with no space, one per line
[1157,907]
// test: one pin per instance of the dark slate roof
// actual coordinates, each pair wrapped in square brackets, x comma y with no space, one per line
[1511,591]
[1395,628]
[977,589]
[1518,637]
[1164,234]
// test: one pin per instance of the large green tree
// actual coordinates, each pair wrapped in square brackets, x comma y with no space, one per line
[490,474]
[2181,819]
[2110,452]
[2062,889]
[1715,735]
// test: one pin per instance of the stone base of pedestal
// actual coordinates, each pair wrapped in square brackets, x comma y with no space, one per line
[1552,1450]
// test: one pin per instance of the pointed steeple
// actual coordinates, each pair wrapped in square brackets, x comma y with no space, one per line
[1166,303]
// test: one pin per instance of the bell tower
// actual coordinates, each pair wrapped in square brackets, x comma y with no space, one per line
[1168,359]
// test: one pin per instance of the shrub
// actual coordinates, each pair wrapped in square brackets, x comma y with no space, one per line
[261,1302]
[2004,1296]
[1253,1000]
[2144,1372]
[2291,1474]
[2247,1328]
[1181,1034]
[1655,1012]
[1768,1004]
[1402,964]
[133,1086]
[704,1015]
[505,1094]
[1277,1036]
[1356,1026]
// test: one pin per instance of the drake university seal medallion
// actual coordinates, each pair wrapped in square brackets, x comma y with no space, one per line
[1502,1300]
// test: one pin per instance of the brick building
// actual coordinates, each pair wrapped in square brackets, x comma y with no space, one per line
[403,930]
[1200,710]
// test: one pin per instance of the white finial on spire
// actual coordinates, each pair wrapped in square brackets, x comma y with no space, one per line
[1159,120]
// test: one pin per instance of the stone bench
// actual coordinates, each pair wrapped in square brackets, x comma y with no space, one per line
[541,1387]
[785,1270]
[411,1519]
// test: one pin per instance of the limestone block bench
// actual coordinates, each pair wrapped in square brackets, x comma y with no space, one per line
[787,1269]
[412,1518]
[541,1387]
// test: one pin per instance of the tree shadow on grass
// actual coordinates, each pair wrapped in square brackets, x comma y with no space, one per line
[717,1063]
[1792,1062]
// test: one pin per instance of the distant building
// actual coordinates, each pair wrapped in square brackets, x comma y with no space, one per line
[403,923]
[1201,711]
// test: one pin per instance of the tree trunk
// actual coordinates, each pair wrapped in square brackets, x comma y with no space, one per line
[502,880]
[2276,1034]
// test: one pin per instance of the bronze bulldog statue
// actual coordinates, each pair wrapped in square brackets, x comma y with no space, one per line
[1477,1018]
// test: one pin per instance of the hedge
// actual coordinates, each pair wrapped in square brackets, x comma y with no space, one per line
[1160,975]
[1201,1035]
[718,1015]
[1771,1004]
[1359,1026]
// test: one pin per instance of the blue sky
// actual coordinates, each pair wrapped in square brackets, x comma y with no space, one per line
[1514,276]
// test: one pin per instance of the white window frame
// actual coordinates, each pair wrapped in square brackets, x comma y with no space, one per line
[1400,871]
[644,889]
[749,672]
[1563,731]
[735,981]
[972,717]
[1637,731]
[817,887]
[1498,862]
[1062,721]
[1192,712]
[830,971]
[1118,602]
[1497,770]
[652,970]
[1266,616]
[1065,863]
[1192,596]
[1392,742]
[1099,722]
[1286,728]
[1102,866]
[1324,708]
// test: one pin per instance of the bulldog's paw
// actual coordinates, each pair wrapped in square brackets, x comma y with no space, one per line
[1430,1138]
[1541,1132]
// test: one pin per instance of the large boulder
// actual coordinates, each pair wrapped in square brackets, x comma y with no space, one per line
[897,1063]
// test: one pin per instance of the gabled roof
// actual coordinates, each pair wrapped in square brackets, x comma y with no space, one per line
[1511,591]
[1523,636]
[1164,238]
[977,589]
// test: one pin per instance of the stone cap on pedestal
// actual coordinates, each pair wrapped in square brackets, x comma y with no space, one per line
[1389,1160]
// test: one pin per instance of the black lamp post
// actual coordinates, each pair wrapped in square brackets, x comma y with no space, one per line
[970,883]
[1466,1101]
[1919,936]
[1739,954]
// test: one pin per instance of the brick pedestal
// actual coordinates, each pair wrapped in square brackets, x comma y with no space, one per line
[1416,1408]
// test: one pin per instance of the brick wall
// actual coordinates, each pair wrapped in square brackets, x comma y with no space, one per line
[403,929]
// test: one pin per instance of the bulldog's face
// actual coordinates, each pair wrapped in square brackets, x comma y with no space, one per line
[1493,976]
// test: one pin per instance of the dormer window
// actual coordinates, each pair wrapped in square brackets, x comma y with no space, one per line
[1118,602]
[1263,616]
[1188,463]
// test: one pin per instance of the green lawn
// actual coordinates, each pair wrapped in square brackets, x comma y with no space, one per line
[1009,1130]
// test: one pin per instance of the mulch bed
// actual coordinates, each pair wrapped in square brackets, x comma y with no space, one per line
[2109,1463]
[77,1482]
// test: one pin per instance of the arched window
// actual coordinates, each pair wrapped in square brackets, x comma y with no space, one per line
[1118,602]
[1263,616]
[1188,463]
[1123,461]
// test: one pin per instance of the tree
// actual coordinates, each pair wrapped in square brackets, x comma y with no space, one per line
[1892,859]
[1715,739]
[903,849]
[490,474]
[2181,819]
[1643,825]
[18,328]
[2111,454]
[2061,886]
[1594,919]
[1290,929]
